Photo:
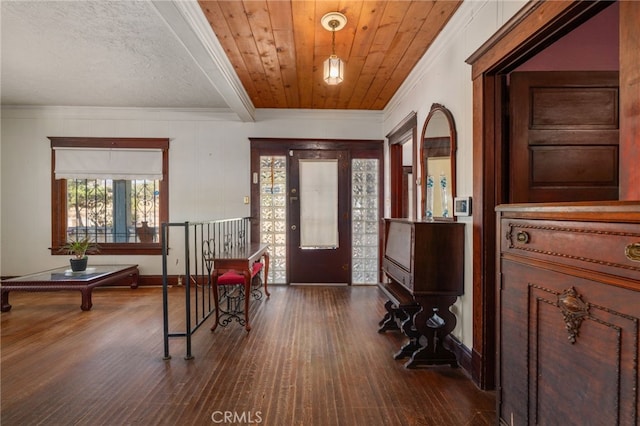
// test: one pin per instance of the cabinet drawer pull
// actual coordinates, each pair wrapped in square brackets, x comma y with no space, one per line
[632,251]
[522,237]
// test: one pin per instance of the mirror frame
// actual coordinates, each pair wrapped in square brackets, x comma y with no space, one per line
[424,154]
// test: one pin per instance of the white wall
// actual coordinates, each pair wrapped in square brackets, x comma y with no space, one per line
[209,169]
[443,77]
[209,152]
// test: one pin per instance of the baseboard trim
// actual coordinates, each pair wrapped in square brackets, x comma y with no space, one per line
[149,281]
[463,355]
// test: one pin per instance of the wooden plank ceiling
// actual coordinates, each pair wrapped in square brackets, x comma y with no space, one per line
[278,48]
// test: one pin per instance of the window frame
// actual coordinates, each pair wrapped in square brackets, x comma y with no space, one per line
[59,192]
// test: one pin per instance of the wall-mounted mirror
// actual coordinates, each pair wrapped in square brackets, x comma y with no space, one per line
[438,164]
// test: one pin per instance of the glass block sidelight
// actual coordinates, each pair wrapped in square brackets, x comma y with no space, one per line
[273,190]
[365,220]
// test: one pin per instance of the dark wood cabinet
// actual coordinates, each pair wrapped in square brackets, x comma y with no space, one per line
[568,313]
[424,262]
[427,258]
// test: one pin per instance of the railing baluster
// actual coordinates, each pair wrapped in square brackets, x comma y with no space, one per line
[219,236]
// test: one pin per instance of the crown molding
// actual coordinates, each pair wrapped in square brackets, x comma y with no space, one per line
[118,113]
[318,114]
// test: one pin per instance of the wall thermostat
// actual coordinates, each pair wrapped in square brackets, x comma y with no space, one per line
[462,206]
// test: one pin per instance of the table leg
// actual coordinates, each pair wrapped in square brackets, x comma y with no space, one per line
[214,279]
[134,278]
[86,299]
[388,322]
[247,294]
[409,330]
[6,307]
[266,273]
[435,322]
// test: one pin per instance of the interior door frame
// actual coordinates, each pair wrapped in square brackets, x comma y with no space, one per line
[534,27]
[358,148]
[405,131]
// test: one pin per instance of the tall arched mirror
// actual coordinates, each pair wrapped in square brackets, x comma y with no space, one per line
[438,164]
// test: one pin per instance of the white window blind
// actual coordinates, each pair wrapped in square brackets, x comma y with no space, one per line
[108,163]
[318,204]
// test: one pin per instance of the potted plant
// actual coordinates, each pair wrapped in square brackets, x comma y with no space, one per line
[78,249]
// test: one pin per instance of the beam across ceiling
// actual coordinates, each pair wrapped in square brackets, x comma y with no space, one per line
[187,21]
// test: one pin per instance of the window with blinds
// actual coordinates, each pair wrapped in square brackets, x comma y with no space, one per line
[112,190]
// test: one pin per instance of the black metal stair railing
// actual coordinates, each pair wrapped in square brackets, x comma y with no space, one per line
[200,241]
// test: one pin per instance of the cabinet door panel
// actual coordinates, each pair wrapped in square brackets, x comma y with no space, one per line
[581,351]
[564,136]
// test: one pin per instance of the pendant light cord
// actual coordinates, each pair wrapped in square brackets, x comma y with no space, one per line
[333,25]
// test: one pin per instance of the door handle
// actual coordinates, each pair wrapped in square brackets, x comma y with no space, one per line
[632,251]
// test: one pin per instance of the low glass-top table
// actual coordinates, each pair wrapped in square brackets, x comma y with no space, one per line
[65,279]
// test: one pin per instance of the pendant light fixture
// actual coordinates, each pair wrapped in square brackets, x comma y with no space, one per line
[333,66]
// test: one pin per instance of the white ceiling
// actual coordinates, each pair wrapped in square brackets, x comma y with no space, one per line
[127,53]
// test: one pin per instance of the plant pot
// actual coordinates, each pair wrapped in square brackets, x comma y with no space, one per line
[145,233]
[78,265]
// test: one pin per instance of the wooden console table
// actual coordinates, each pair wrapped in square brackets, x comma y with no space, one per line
[240,260]
[64,279]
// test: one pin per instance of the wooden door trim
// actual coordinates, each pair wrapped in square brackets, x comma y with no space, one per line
[404,131]
[280,144]
[395,177]
[532,29]
[629,100]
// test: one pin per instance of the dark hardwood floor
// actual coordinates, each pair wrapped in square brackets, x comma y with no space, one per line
[313,357]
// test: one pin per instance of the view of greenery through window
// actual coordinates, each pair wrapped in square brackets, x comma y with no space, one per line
[113,211]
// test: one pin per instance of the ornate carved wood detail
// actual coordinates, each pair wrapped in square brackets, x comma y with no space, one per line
[433,322]
[574,309]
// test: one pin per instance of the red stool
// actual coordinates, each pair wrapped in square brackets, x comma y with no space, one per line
[232,291]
